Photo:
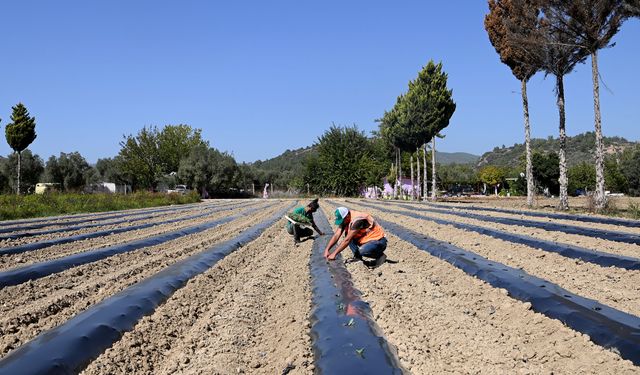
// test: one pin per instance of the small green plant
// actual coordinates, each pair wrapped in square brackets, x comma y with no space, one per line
[351,323]
[634,210]
[360,352]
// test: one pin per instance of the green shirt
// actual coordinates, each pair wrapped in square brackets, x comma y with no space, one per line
[301,216]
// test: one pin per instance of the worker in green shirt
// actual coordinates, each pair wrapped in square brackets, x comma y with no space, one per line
[299,218]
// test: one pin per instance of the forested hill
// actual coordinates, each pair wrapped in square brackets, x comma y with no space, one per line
[292,160]
[456,157]
[579,148]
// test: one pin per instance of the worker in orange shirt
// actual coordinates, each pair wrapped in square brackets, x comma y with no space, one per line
[363,235]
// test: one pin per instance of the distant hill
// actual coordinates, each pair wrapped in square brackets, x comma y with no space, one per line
[579,148]
[456,158]
[289,161]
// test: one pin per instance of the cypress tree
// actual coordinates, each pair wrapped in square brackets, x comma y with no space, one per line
[20,133]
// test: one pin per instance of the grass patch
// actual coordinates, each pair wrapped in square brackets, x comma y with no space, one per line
[27,206]
[634,210]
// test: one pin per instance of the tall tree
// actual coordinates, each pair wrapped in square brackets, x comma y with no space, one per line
[70,170]
[559,53]
[32,168]
[338,167]
[428,107]
[20,133]
[153,153]
[591,24]
[508,22]
[209,170]
[492,176]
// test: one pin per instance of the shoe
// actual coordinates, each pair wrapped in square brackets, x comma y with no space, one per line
[352,260]
[378,262]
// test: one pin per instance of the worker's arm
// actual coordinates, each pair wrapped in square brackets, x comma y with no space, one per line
[343,245]
[315,227]
[334,239]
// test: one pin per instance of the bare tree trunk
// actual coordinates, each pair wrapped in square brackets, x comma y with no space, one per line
[393,193]
[424,165]
[564,199]
[527,142]
[413,185]
[400,174]
[601,199]
[434,187]
[418,171]
[397,189]
[19,164]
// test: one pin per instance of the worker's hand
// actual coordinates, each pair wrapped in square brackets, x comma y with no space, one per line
[332,256]
[326,253]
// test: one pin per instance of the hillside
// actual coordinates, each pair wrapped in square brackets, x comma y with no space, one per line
[291,160]
[456,158]
[579,148]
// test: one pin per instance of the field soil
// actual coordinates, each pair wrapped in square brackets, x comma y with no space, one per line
[445,321]
[249,313]
[621,206]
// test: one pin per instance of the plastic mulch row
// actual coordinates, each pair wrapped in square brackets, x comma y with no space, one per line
[13,236]
[346,340]
[553,215]
[570,251]
[70,347]
[98,215]
[52,223]
[107,232]
[605,326]
[569,229]
[38,270]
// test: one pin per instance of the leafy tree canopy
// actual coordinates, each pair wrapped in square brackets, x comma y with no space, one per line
[153,153]
[21,132]
[32,168]
[344,155]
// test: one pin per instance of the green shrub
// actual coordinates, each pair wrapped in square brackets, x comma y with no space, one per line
[26,206]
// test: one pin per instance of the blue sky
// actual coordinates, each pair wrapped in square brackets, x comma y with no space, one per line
[260,77]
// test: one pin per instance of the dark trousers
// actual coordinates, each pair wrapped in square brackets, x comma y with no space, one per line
[371,249]
[298,231]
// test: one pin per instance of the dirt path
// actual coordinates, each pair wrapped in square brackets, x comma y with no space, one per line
[618,288]
[248,314]
[444,321]
[30,308]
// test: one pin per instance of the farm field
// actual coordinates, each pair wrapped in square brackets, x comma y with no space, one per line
[219,287]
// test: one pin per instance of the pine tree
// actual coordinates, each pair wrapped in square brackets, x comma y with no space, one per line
[20,133]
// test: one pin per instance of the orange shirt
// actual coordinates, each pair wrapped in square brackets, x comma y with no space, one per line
[366,228]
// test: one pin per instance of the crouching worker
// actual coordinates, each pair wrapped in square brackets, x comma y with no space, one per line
[298,220]
[363,235]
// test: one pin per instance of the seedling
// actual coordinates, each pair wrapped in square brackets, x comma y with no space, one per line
[360,352]
[341,307]
[351,323]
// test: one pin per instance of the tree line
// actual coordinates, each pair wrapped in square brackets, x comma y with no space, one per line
[153,159]
[347,160]
[553,36]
